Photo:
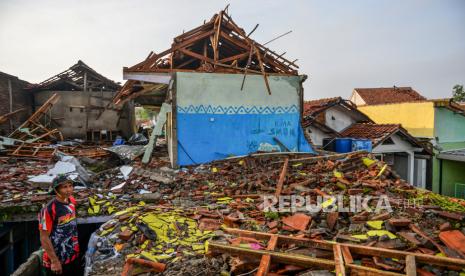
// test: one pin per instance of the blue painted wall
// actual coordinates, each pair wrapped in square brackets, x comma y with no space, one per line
[215,119]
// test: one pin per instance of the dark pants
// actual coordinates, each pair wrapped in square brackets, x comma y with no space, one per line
[73,269]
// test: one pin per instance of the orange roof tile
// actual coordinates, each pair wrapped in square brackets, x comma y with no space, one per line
[375,132]
[385,95]
[314,106]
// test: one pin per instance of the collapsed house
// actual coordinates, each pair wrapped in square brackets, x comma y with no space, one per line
[84,110]
[228,95]
[210,219]
[16,103]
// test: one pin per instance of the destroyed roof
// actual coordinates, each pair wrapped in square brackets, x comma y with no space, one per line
[8,76]
[314,107]
[73,79]
[384,95]
[219,45]
[378,133]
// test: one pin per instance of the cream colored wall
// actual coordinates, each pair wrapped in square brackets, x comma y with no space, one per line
[416,117]
[356,99]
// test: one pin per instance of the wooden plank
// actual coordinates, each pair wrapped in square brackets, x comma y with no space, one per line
[282,176]
[149,63]
[410,266]
[196,55]
[257,53]
[338,259]
[217,37]
[36,116]
[451,263]
[234,41]
[276,257]
[233,25]
[417,230]
[265,262]
[161,119]
[249,60]
[235,57]
[346,253]
[187,62]
[193,32]
[369,271]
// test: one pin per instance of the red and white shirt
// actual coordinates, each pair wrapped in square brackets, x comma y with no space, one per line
[59,220]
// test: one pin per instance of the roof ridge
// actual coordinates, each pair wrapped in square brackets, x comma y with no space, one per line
[323,99]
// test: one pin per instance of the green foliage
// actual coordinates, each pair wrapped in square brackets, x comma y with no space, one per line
[458,93]
[272,215]
[143,114]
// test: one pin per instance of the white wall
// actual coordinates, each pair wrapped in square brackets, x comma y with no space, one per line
[415,173]
[342,118]
[316,135]
[398,146]
[356,99]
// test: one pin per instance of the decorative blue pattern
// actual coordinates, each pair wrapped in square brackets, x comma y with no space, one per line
[232,110]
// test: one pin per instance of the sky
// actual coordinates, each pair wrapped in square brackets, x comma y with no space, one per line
[340,45]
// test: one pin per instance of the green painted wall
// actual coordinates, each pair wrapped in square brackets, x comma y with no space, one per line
[449,127]
[450,170]
[453,172]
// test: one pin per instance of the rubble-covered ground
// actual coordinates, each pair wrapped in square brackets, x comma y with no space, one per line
[169,216]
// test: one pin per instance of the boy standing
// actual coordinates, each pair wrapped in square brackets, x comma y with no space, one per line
[58,230]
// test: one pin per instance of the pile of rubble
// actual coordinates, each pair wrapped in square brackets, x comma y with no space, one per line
[166,220]
[227,195]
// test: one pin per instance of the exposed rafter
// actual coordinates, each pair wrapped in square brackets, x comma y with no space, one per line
[219,45]
[73,79]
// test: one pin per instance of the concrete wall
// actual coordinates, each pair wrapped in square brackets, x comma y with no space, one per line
[316,135]
[338,118]
[416,117]
[70,112]
[449,126]
[215,119]
[21,99]
[356,99]
[399,145]
[418,178]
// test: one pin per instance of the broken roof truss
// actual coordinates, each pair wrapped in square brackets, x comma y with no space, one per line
[78,77]
[217,46]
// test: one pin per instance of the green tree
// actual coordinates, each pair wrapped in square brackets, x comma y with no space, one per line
[458,93]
